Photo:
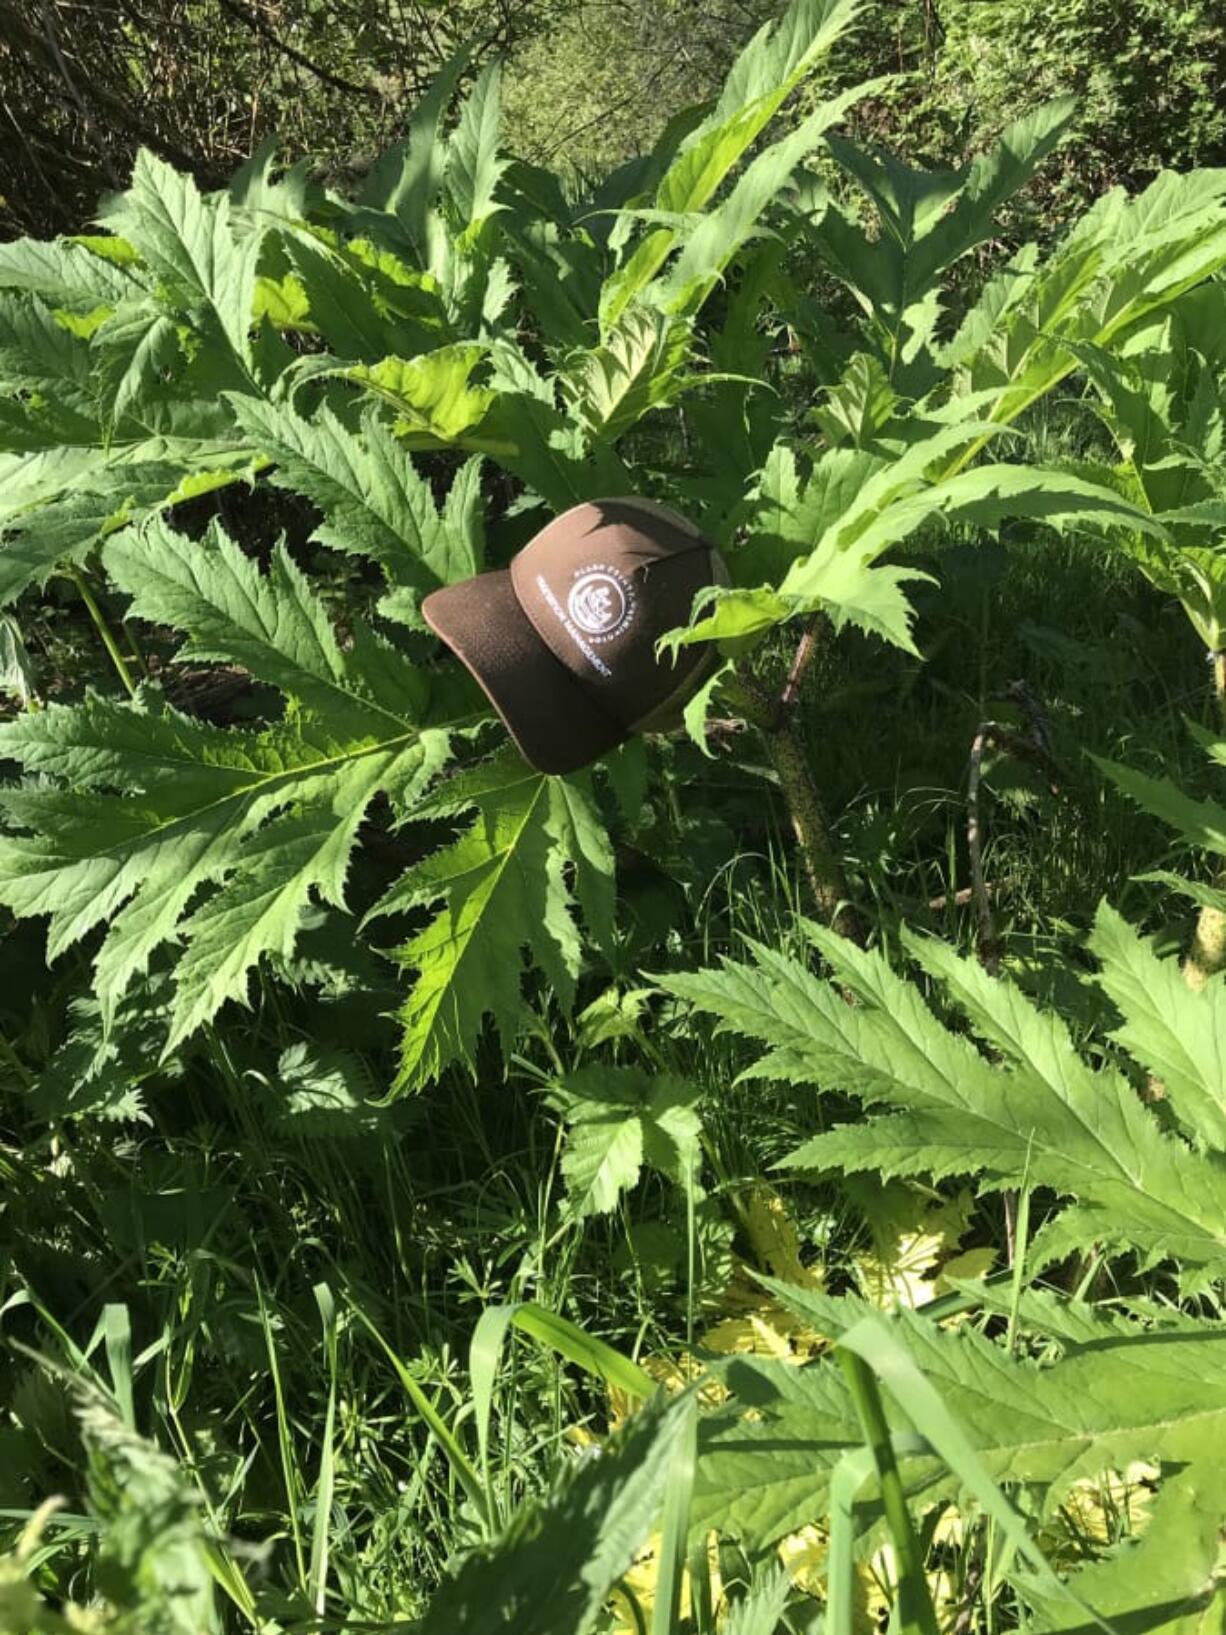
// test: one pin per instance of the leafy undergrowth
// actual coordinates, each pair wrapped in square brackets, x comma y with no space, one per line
[439,1196]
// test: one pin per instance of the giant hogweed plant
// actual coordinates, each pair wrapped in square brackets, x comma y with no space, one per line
[381,356]
[1159,394]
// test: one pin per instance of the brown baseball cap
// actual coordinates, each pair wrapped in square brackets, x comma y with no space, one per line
[563,641]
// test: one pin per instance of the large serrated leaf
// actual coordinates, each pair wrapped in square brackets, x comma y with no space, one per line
[637,368]
[842,575]
[1178,1033]
[1170,1579]
[190,241]
[760,82]
[503,885]
[374,500]
[1038,1109]
[473,164]
[162,827]
[1135,1394]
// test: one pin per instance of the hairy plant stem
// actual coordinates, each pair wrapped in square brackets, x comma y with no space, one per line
[1031,744]
[1207,954]
[989,948]
[822,869]
[103,629]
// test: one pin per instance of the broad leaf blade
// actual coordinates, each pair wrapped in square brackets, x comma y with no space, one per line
[550,1572]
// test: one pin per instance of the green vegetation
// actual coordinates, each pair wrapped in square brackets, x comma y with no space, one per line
[771,1181]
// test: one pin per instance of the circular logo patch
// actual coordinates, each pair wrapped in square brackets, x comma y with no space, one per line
[600,602]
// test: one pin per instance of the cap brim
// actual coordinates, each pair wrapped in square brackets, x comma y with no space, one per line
[556,725]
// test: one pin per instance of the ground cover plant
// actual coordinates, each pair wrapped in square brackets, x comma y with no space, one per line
[769,1180]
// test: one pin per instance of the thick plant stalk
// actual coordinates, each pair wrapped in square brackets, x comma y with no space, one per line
[1207,955]
[1033,746]
[822,869]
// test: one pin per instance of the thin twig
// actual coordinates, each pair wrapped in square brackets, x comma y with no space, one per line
[960,899]
[87,118]
[253,20]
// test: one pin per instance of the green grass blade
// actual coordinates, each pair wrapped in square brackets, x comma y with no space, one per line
[484,1351]
[916,1613]
[850,1475]
[468,1478]
[587,1352]
[117,1334]
[289,1468]
[552,1570]
[226,1574]
[325,1488]
[1021,1240]
[556,1333]
[875,1344]
[674,1531]
[698,1566]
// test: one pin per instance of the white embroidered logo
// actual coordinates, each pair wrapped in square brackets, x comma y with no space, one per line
[598,603]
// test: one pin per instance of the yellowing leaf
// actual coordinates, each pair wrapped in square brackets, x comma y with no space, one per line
[1117,1504]
[774,1238]
[897,1278]
[913,1237]
[803,1556]
[971,1263]
[674,1374]
[766,1329]
[638,1588]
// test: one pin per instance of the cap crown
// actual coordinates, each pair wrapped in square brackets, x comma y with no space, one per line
[602,583]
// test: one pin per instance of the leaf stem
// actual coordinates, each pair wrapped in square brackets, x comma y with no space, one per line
[134,648]
[103,629]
